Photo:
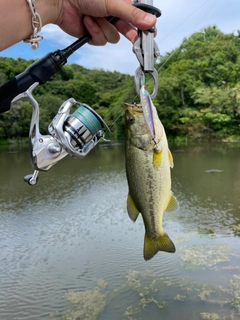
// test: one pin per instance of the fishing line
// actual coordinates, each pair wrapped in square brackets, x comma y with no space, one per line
[120,115]
[207,12]
[179,25]
[185,20]
[170,56]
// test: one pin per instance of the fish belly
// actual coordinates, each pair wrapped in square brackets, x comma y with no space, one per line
[149,187]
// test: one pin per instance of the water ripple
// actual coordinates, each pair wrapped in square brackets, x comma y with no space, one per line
[72,231]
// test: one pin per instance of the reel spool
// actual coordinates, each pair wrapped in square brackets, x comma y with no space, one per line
[81,126]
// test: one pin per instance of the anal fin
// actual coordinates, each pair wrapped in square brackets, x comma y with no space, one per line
[173,204]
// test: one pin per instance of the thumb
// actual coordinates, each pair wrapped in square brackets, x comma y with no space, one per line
[126,11]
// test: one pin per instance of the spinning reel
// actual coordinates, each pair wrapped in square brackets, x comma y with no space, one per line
[73,134]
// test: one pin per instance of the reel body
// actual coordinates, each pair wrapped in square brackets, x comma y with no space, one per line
[78,132]
[74,134]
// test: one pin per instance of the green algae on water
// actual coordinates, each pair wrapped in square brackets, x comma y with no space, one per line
[180,298]
[87,304]
[139,282]
[205,255]
[210,316]
[150,290]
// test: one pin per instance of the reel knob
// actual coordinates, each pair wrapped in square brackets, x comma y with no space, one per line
[32,179]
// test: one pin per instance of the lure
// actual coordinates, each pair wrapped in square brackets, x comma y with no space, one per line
[147,110]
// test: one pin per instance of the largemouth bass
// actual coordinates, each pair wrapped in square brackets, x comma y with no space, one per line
[148,163]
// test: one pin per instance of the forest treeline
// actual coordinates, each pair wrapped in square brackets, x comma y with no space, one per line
[198,96]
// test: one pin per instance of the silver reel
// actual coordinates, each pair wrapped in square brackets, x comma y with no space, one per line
[69,134]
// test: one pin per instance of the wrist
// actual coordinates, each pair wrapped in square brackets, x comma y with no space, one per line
[48,10]
[45,14]
[16,19]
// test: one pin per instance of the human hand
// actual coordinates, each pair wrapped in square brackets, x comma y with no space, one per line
[78,15]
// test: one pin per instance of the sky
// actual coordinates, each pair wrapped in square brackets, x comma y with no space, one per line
[180,19]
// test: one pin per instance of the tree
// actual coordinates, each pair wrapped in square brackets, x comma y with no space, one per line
[198,96]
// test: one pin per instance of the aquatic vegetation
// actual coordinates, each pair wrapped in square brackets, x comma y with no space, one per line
[179,240]
[197,291]
[151,290]
[146,292]
[133,281]
[234,290]
[215,316]
[232,296]
[87,304]
[130,312]
[231,268]
[236,229]
[204,295]
[210,316]
[205,255]
[180,298]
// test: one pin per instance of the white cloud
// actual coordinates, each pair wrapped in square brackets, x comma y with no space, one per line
[110,57]
[181,18]
[55,35]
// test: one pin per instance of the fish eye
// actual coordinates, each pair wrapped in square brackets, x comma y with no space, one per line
[131,119]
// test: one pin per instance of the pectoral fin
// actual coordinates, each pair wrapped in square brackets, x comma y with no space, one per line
[157,157]
[133,212]
[170,159]
[151,247]
[172,204]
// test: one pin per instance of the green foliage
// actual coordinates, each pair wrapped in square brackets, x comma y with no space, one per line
[106,92]
[198,97]
[199,88]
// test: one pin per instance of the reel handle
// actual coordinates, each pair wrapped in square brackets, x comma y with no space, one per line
[32,179]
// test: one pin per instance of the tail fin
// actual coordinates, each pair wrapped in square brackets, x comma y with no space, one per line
[151,247]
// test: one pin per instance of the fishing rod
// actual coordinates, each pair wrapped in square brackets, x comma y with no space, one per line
[78,133]
[43,69]
[40,71]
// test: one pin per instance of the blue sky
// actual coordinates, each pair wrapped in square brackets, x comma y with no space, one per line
[180,18]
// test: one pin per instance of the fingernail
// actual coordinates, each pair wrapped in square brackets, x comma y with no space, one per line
[149,18]
[89,21]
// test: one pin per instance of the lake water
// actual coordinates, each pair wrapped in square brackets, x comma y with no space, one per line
[68,249]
